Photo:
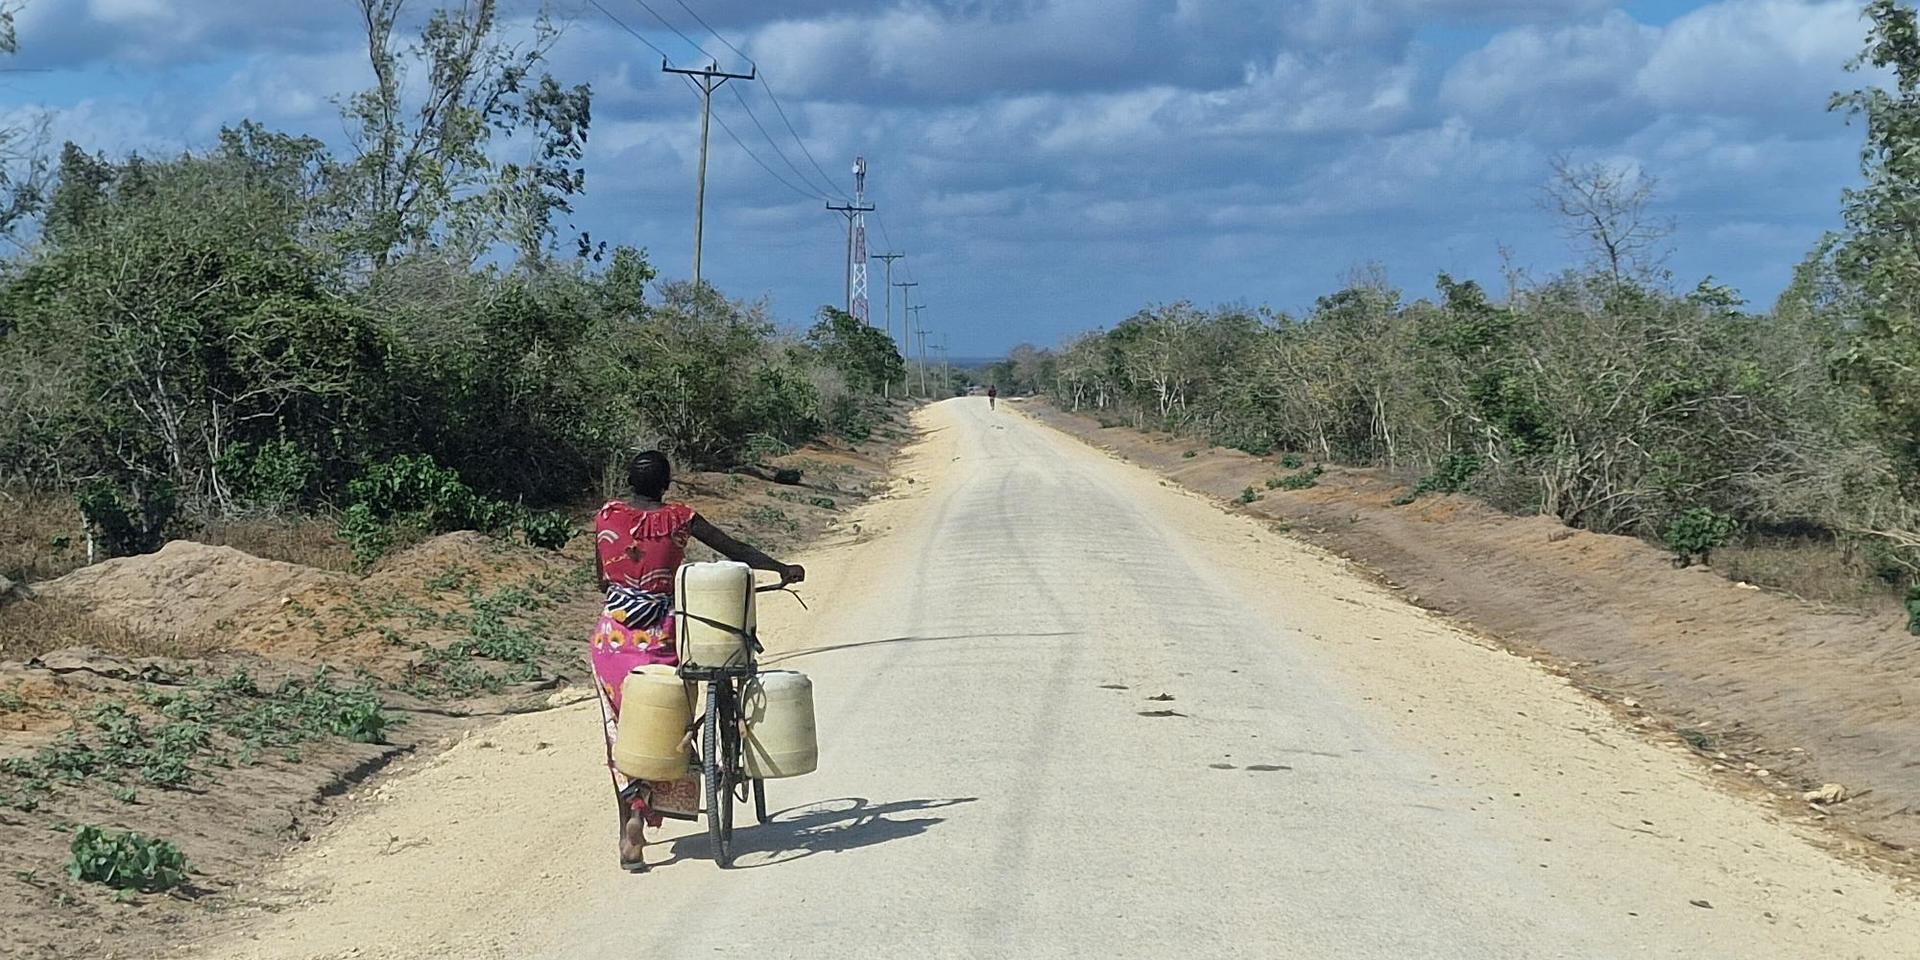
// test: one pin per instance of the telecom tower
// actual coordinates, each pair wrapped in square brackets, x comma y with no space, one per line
[857,298]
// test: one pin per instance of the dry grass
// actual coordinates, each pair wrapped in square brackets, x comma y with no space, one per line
[1820,571]
[41,535]
[29,628]
[308,541]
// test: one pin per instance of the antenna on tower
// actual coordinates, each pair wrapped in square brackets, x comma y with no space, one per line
[855,213]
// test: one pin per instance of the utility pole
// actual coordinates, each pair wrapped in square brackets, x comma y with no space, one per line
[711,78]
[946,371]
[852,212]
[906,339]
[920,332]
[888,258]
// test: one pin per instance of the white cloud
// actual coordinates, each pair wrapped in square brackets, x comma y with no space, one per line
[1754,57]
[1538,70]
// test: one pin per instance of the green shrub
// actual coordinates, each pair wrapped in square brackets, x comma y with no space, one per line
[1248,495]
[275,473]
[777,401]
[761,447]
[1695,534]
[414,492]
[128,522]
[849,418]
[550,530]
[1451,475]
[1296,481]
[1190,454]
[1292,461]
[125,860]
[1913,610]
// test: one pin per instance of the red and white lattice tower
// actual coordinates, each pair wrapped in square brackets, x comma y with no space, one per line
[858,302]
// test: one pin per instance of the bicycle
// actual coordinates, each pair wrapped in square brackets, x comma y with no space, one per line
[721,735]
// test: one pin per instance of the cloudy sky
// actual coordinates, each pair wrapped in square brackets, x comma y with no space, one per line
[1053,165]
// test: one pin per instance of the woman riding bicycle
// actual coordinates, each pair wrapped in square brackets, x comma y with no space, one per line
[638,545]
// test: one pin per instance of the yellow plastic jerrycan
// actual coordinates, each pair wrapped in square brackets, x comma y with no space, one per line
[656,712]
[708,599]
[781,740]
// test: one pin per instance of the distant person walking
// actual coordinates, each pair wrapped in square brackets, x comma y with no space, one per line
[993,392]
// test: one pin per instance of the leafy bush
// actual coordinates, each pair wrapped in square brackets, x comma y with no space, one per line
[1913,610]
[1248,495]
[863,355]
[128,523]
[275,473]
[1695,534]
[550,530]
[1292,461]
[850,418]
[760,447]
[125,860]
[778,401]
[1302,480]
[413,491]
[1450,475]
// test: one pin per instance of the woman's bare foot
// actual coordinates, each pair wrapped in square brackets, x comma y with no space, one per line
[633,842]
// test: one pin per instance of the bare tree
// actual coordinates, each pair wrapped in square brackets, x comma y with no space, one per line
[24,172]
[1605,206]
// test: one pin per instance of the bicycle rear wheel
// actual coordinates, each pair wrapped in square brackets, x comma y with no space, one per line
[717,772]
[731,757]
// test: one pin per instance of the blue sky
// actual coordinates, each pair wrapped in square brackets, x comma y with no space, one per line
[1052,166]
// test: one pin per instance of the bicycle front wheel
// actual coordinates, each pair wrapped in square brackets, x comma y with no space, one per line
[717,773]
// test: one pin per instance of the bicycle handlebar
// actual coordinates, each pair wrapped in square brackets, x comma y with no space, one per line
[782,587]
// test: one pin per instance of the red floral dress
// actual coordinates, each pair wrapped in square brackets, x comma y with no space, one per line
[639,552]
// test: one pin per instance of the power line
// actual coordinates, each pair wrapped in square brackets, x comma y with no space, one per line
[770,142]
[882,221]
[716,34]
[768,87]
[810,195]
[676,30]
[622,24]
[796,134]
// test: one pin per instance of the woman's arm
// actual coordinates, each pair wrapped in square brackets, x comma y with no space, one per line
[733,549]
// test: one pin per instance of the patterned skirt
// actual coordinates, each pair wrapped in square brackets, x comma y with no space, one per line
[618,650]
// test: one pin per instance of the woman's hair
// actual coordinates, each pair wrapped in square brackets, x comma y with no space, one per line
[649,474]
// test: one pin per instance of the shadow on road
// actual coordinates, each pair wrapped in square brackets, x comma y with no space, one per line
[829,826]
[810,651]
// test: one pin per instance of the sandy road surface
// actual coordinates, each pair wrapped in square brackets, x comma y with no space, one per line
[1343,776]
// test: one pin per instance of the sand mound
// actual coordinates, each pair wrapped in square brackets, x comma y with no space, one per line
[185,589]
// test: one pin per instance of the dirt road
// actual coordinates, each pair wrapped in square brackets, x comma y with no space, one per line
[1068,711]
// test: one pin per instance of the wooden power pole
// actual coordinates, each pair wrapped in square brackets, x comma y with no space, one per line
[886,389]
[906,339]
[707,79]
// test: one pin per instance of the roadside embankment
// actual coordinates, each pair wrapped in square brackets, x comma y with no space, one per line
[233,705]
[1769,689]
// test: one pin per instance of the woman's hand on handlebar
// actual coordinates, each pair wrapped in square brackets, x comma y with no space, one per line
[792,573]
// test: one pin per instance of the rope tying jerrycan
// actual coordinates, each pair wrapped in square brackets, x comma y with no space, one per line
[712,605]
